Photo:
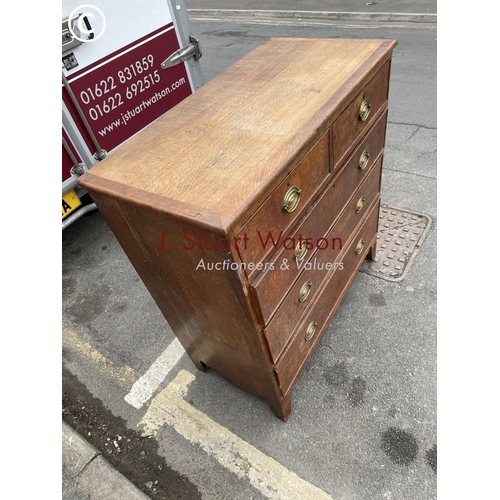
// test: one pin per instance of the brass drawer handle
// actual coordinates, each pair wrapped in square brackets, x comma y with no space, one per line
[359,246]
[304,291]
[291,199]
[364,110]
[311,329]
[360,204]
[363,160]
[300,250]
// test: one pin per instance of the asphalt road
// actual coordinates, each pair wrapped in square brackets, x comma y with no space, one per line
[380,344]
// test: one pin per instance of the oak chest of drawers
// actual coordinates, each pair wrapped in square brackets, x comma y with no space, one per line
[249,207]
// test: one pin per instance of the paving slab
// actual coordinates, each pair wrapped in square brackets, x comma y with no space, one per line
[86,474]
[406,6]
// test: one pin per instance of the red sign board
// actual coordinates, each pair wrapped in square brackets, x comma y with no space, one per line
[124,92]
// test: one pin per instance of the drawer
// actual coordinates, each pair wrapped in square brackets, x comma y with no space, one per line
[317,317]
[271,285]
[285,205]
[350,125]
[279,330]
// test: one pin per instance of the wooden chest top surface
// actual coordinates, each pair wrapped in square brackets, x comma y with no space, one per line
[224,149]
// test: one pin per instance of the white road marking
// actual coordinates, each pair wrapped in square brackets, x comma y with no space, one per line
[146,386]
[264,473]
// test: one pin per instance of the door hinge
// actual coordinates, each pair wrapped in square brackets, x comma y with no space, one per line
[191,50]
[71,35]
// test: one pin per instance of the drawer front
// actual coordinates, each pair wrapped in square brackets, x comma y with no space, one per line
[271,285]
[350,125]
[317,318]
[279,330]
[285,206]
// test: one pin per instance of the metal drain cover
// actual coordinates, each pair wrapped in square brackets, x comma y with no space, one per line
[400,235]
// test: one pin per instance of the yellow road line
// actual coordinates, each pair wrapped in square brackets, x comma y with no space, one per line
[77,347]
[169,408]
[264,473]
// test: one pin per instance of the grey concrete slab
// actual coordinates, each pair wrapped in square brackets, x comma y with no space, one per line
[104,482]
[410,6]
[306,15]
[86,474]
[410,191]
[412,149]
[71,489]
[76,451]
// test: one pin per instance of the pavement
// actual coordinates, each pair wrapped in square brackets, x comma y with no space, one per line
[406,11]
[403,6]
[113,333]
[87,474]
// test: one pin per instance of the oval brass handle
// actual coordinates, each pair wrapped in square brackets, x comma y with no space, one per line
[304,291]
[291,199]
[359,246]
[363,160]
[300,250]
[311,329]
[364,110]
[360,204]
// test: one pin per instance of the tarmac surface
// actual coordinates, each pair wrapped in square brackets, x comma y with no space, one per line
[363,422]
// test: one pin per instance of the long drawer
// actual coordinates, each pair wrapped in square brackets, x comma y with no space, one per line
[317,317]
[285,205]
[272,284]
[313,274]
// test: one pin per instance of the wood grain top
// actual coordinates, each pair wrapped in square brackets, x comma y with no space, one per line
[226,147]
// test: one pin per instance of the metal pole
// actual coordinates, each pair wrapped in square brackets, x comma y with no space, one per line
[101,153]
[78,168]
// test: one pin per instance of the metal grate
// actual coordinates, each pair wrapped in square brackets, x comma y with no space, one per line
[400,236]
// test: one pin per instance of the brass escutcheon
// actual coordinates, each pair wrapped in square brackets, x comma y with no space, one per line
[360,204]
[291,199]
[311,329]
[364,110]
[359,247]
[304,291]
[300,250]
[363,160]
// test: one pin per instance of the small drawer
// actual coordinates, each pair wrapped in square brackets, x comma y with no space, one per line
[285,205]
[279,330]
[271,285]
[317,317]
[359,115]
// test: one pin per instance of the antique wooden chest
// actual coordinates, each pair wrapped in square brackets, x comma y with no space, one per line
[248,208]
